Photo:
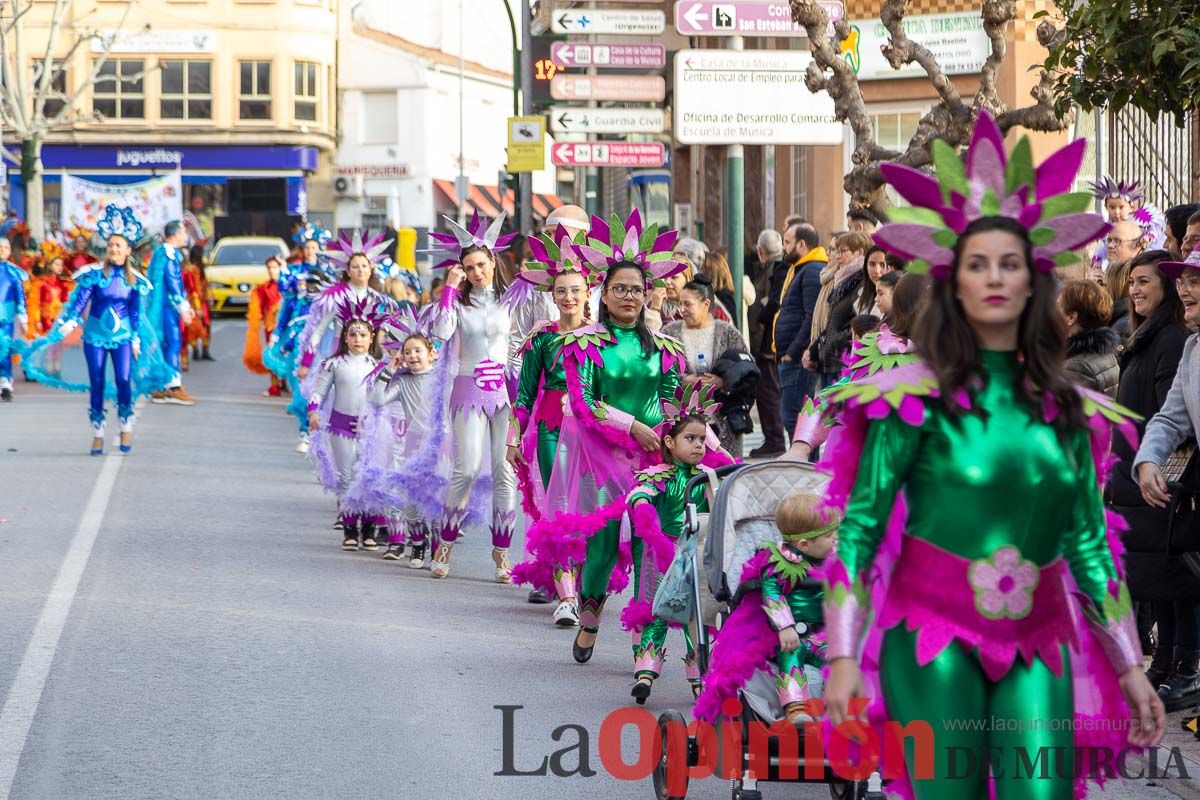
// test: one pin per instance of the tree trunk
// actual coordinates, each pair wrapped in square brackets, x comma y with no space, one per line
[31,176]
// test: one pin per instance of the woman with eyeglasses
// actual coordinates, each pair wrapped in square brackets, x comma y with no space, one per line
[1148,365]
[618,374]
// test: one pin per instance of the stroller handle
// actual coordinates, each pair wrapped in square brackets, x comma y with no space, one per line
[691,520]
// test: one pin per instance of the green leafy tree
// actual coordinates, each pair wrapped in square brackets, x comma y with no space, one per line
[1116,53]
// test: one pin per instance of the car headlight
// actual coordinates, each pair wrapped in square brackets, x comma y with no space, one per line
[219,285]
[243,287]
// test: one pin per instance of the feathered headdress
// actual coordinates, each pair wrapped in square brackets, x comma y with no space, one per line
[991,183]
[77,231]
[345,246]
[1153,224]
[1106,187]
[616,241]
[367,309]
[389,269]
[311,232]
[120,220]
[406,322]
[52,249]
[555,256]
[477,234]
[690,398]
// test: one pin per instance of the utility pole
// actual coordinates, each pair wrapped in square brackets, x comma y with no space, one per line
[735,212]
[525,200]
[460,186]
[519,49]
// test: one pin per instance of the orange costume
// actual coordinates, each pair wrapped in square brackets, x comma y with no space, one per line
[52,293]
[265,301]
[198,334]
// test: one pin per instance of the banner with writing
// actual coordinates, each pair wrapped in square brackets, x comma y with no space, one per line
[154,202]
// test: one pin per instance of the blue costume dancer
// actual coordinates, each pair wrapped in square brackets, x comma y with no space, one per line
[168,308]
[12,311]
[300,285]
[111,292]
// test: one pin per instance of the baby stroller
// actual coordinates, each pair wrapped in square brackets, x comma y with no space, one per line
[743,519]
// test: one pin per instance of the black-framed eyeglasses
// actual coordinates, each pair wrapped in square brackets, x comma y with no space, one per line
[621,291]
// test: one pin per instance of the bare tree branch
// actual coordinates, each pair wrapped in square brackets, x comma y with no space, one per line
[901,50]
[46,76]
[996,16]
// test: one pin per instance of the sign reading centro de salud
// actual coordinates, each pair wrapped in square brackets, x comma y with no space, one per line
[632,21]
[957,41]
[750,97]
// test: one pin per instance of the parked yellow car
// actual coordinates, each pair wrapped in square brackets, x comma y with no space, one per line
[236,265]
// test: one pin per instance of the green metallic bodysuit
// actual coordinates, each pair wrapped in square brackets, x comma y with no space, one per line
[997,501]
[665,488]
[788,599]
[631,385]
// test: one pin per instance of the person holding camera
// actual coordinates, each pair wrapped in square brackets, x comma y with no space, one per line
[717,356]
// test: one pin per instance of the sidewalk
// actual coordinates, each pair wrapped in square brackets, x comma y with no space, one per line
[1189,748]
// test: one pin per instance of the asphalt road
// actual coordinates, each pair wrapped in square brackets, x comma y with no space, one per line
[215,642]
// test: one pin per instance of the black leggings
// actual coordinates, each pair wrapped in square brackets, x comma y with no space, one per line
[1178,624]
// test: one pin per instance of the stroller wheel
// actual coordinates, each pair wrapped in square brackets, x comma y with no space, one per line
[850,791]
[669,763]
[745,794]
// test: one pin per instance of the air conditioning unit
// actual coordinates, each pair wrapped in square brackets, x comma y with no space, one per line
[349,186]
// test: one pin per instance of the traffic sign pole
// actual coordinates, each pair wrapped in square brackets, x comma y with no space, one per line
[735,204]
[525,180]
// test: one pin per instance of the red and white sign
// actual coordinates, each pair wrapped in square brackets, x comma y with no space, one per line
[609,154]
[745,17]
[611,56]
[633,88]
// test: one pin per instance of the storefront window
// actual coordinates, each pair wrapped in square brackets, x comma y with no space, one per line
[894,131]
[120,92]
[306,91]
[255,100]
[203,203]
[186,89]
[800,182]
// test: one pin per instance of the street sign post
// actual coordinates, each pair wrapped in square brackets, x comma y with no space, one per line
[568,119]
[750,97]
[609,154]
[632,88]
[526,144]
[744,17]
[632,21]
[609,56]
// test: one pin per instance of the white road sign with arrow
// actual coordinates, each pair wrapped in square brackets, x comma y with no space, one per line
[641,21]
[568,119]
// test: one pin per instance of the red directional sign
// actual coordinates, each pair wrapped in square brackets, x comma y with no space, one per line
[609,154]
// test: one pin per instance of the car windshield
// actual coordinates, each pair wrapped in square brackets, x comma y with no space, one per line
[244,254]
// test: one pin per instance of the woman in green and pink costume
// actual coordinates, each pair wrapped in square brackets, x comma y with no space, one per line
[538,409]
[1006,601]
[618,373]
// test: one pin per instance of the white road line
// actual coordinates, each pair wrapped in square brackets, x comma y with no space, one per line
[19,709]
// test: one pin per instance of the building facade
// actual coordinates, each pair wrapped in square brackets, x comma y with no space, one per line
[400,138]
[238,95]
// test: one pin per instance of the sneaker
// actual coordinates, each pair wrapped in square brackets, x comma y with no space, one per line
[538,597]
[273,392]
[302,445]
[6,395]
[418,557]
[179,396]
[766,452]
[349,544]
[370,544]
[395,552]
[565,615]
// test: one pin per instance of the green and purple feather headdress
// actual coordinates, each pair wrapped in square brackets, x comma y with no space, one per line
[610,243]
[555,256]
[690,398]
[989,183]
[1107,187]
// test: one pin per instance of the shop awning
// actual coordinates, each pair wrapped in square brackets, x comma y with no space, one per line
[488,201]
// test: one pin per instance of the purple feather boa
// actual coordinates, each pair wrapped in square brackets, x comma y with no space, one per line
[321,456]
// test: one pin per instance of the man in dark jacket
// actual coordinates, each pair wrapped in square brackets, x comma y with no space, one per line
[793,326]
[768,287]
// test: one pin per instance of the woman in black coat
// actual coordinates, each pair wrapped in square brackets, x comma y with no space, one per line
[1148,365]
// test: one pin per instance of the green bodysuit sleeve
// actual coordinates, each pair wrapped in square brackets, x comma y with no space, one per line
[531,372]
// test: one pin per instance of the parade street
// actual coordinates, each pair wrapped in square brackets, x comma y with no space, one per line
[182,623]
